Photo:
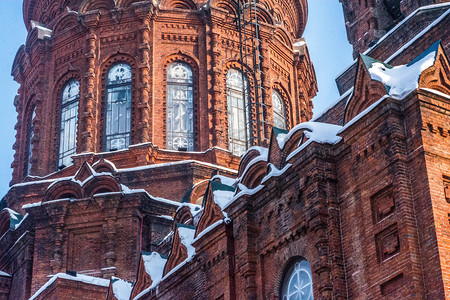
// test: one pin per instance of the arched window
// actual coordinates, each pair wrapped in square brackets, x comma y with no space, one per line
[180,109]
[118,107]
[30,134]
[238,125]
[297,283]
[279,113]
[68,128]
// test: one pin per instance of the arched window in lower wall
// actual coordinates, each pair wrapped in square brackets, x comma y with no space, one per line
[297,281]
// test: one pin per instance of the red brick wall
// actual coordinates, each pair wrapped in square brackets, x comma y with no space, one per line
[86,46]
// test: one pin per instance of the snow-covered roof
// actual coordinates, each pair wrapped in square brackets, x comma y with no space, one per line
[222,193]
[79,277]
[154,265]
[401,80]
[121,288]
[15,219]
[187,234]
[319,132]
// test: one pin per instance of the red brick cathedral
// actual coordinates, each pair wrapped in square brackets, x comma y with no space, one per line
[167,150]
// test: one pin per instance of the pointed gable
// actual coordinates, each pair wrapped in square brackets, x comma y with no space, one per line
[84,172]
[436,77]
[150,271]
[182,250]
[119,289]
[275,155]
[216,197]
[366,91]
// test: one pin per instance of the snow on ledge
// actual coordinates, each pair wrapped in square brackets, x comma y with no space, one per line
[121,288]
[319,132]
[401,80]
[4,274]
[436,92]
[79,277]
[154,266]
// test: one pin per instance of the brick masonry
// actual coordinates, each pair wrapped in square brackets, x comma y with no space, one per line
[370,214]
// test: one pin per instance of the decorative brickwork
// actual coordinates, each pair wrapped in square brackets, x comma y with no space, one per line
[357,208]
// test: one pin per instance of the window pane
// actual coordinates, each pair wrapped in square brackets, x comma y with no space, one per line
[297,283]
[180,110]
[279,114]
[118,107]
[68,127]
[238,129]
[30,140]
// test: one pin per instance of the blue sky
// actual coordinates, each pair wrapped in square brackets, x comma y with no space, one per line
[325,36]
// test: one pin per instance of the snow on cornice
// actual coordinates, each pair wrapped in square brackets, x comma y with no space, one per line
[79,277]
[43,32]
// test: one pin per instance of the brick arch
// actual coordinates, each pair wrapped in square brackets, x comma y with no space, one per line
[126,3]
[101,184]
[246,159]
[63,189]
[65,22]
[182,216]
[72,4]
[101,105]
[254,175]
[230,6]
[49,13]
[264,15]
[179,4]
[89,5]
[194,64]
[283,37]
[286,101]
[56,113]
[295,140]
[198,191]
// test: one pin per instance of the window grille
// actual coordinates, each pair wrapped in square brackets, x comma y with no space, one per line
[118,107]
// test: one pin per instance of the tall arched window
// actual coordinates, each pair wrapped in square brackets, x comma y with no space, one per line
[297,282]
[30,134]
[180,107]
[118,107]
[68,128]
[238,125]
[279,113]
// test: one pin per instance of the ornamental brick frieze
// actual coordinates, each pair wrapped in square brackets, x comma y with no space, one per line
[119,38]
[61,62]
[184,38]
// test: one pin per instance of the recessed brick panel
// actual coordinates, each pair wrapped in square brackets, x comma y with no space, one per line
[388,242]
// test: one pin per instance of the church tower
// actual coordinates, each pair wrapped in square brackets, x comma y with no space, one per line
[367,21]
[101,76]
